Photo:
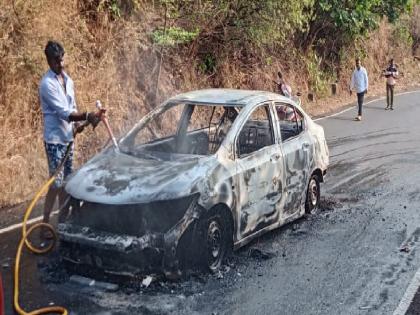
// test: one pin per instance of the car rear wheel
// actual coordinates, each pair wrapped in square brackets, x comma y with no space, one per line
[214,244]
[313,194]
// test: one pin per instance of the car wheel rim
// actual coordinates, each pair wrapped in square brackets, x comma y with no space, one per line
[214,244]
[313,192]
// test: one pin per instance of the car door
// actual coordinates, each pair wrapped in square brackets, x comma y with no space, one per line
[259,170]
[296,147]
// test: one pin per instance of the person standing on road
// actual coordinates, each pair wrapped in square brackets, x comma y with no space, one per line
[57,98]
[360,83]
[390,73]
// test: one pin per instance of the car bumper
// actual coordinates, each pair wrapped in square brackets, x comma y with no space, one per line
[119,253]
[111,253]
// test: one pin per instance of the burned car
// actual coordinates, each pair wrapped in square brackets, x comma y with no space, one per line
[205,172]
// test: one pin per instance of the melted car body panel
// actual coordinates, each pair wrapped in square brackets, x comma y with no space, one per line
[116,178]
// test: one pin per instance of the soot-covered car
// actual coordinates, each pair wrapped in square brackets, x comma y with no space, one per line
[204,173]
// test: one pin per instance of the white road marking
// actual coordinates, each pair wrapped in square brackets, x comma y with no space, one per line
[371,101]
[19,225]
[408,295]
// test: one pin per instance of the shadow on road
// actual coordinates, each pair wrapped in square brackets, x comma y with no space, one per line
[376,108]
[342,118]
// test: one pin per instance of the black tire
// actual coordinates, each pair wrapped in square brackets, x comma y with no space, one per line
[214,236]
[313,194]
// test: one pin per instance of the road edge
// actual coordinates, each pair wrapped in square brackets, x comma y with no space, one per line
[408,296]
[350,107]
[19,225]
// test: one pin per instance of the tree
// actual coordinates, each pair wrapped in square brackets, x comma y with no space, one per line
[350,19]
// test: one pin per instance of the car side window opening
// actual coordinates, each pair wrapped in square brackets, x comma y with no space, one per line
[213,122]
[257,132]
[291,121]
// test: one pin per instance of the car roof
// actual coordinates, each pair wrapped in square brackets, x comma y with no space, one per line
[227,97]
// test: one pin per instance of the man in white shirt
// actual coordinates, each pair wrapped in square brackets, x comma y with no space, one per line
[57,98]
[359,83]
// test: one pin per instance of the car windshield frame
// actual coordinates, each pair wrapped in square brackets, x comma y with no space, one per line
[127,142]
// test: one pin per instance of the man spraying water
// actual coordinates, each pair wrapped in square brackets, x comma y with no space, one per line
[59,109]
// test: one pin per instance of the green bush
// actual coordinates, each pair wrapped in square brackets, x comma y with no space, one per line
[350,19]
[173,36]
[208,64]
[115,8]
[402,33]
[318,79]
[263,22]
[250,30]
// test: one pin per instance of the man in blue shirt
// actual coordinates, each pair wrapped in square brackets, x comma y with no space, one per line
[360,83]
[57,98]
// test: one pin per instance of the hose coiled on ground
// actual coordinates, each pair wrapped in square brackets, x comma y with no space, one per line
[25,241]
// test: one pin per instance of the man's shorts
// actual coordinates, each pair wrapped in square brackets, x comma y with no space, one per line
[55,154]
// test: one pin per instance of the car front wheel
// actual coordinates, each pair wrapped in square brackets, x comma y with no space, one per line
[313,194]
[214,235]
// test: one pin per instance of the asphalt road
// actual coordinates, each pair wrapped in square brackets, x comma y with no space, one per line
[356,255]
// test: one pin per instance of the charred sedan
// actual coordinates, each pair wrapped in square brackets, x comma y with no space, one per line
[204,173]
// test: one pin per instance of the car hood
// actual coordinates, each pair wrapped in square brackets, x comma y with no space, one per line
[117,178]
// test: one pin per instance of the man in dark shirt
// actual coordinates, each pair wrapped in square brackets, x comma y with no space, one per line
[390,73]
[283,88]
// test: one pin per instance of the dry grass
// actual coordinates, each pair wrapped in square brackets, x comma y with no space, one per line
[110,62]
[116,63]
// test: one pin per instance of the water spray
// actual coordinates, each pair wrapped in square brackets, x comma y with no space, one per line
[104,119]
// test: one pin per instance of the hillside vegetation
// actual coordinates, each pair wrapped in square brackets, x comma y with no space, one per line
[132,54]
